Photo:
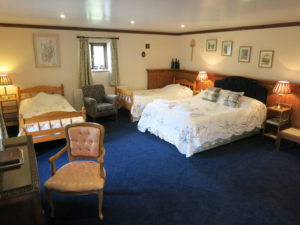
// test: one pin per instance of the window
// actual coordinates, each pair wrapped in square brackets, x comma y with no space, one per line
[98,56]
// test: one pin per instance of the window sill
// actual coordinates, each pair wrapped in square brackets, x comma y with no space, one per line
[99,70]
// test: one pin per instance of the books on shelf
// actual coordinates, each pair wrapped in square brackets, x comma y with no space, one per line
[11,158]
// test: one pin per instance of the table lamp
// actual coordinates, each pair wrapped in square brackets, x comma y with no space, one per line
[281,88]
[4,81]
[202,76]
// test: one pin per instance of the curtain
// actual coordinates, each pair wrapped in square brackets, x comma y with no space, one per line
[85,73]
[114,72]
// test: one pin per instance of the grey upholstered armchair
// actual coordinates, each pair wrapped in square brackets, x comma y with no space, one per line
[97,103]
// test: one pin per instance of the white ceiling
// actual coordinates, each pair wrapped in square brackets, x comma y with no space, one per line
[150,15]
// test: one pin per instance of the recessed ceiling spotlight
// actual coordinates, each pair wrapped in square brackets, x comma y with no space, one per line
[182,26]
[132,21]
[63,16]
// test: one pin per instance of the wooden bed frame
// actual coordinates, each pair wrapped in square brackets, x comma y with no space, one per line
[52,133]
[125,98]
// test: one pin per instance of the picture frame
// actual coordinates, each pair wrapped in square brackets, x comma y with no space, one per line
[265,58]
[226,48]
[46,50]
[244,54]
[211,45]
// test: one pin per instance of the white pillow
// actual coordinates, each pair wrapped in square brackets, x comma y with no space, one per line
[46,99]
[247,102]
[171,87]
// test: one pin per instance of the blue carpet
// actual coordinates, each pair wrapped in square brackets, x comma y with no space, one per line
[150,182]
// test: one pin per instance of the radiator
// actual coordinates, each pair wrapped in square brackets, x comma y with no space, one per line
[78,102]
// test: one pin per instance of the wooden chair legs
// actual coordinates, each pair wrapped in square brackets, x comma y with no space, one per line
[278,141]
[50,201]
[100,196]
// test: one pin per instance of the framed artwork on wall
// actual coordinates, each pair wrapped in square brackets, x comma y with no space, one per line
[211,45]
[245,54]
[226,48]
[46,50]
[265,58]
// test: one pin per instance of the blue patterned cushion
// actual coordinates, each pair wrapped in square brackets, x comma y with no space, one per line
[211,94]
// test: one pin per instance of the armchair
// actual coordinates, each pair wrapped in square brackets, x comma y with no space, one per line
[97,103]
[84,140]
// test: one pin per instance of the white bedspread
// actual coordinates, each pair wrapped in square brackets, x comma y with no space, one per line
[142,97]
[193,124]
[45,103]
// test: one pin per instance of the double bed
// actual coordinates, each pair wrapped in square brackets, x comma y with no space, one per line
[43,113]
[194,124]
[136,101]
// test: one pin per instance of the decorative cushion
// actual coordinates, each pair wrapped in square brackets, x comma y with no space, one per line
[101,107]
[211,94]
[231,99]
[224,95]
[76,176]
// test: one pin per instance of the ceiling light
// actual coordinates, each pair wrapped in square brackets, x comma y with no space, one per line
[182,26]
[132,22]
[62,16]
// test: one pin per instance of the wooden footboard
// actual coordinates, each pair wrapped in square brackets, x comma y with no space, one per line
[125,98]
[52,133]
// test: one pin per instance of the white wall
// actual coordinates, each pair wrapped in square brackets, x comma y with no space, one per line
[17,58]
[284,41]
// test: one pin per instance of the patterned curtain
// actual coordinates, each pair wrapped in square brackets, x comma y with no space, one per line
[114,72]
[85,73]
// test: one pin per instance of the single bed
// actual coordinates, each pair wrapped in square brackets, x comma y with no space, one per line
[194,125]
[43,114]
[136,101]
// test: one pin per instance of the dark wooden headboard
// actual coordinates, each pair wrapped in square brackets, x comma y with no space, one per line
[158,78]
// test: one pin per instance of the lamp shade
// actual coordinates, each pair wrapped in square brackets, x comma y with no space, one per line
[202,76]
[282,87]
[5,80]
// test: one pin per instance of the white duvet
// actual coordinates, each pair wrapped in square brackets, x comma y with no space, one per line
[45,103]
[193,124]
[142,97]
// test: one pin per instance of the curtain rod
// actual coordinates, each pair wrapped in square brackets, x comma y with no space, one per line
[99,37]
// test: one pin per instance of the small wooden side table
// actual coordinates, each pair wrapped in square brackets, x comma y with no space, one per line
[277,119]
[9,108]
[291,134]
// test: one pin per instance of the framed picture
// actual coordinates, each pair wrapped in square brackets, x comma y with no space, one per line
[211,45]
[46,50]
[245,53]
[265,59]
[226,48]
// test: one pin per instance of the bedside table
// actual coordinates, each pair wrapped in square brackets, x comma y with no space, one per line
[196,92]
[277,119]
[9,107]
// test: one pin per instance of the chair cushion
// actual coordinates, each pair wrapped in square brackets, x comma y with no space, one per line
[84,141]
[101,107]
[76,176]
